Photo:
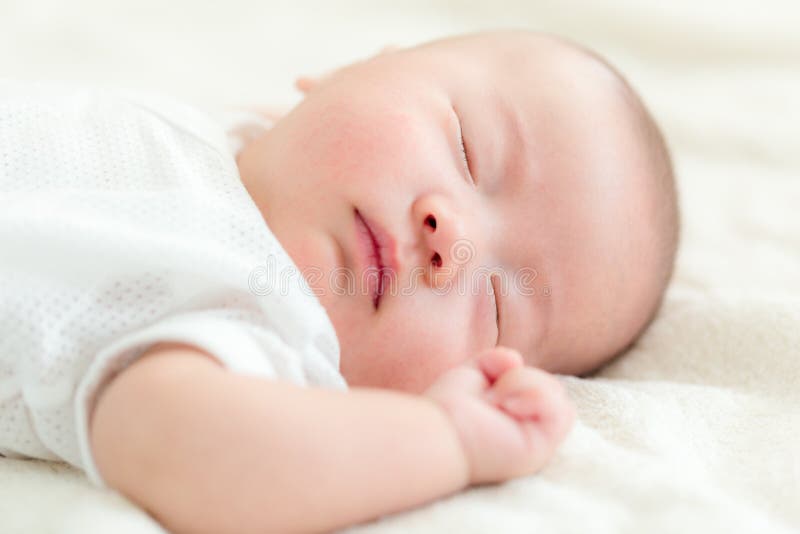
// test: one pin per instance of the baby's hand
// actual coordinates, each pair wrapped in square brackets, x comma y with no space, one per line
[510,417]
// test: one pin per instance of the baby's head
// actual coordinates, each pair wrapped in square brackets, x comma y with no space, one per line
[565,203]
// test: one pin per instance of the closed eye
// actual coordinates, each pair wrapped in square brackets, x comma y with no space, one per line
[496,308]
[463,146]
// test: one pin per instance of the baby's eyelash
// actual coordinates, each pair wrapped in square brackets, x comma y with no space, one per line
[464,153]
[464,156]
[497,309]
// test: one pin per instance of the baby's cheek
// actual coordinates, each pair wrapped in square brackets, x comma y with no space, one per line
[413,367]
[351,146]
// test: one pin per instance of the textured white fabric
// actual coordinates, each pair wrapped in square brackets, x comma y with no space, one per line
[125,223]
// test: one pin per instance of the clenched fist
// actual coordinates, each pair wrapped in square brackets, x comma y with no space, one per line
[510,417]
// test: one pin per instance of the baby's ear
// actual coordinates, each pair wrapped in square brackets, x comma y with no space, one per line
[306,84]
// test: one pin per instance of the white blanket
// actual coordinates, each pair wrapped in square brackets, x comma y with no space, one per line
[698,427]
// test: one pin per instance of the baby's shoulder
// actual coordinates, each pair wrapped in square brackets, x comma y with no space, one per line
[101,114]
[190,119]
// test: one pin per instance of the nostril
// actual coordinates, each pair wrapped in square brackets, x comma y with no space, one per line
[436,260]
[430,220]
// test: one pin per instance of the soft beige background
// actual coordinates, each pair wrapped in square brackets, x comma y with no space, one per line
[722,77]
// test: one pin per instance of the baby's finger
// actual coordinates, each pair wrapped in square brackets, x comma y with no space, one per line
[527,382]
[499,360]
[463,378]
[533,395]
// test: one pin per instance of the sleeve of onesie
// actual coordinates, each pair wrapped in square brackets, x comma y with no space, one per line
[230,342]
[124,224]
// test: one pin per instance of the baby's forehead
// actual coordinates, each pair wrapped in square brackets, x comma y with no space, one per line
[547,82]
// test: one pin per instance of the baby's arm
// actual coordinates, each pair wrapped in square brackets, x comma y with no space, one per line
[207,450]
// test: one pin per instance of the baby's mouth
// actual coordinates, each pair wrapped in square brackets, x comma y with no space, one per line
[376,264]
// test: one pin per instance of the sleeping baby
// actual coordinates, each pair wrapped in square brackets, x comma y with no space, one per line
[247,324]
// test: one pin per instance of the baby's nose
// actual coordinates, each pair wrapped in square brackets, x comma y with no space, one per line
[445,248]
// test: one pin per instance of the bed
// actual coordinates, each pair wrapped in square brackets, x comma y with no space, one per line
[697,427]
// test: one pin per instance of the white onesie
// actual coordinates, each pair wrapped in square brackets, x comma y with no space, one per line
[123,223]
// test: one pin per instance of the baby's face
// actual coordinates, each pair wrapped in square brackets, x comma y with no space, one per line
[545,207]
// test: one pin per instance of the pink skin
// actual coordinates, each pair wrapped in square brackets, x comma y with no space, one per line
[555,190]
